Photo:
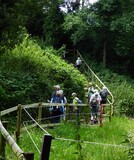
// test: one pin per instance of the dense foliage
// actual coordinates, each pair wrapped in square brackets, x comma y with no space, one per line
[103,30]
[29,73]
[96,143]
[33,35]
[100,30]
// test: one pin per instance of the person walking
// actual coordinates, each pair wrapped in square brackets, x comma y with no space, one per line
[57,110]
[103,94]
[91,91]
[94,107]
[64,100]
[78,63]
[56,88]
[76,109]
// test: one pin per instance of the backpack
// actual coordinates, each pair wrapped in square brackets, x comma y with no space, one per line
[57,100]
[79,101]
[94,101]
[103,94]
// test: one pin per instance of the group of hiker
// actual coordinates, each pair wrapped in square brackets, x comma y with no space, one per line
[58,112]
[97,101]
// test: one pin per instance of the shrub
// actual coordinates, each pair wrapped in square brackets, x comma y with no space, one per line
[29,73]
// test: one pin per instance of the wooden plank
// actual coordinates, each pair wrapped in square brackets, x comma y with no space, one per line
[15,148]
[2,113]
[7,111]
[31,105]
[63,104]
[3,143]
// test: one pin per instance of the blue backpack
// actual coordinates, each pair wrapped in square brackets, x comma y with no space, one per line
[79,101]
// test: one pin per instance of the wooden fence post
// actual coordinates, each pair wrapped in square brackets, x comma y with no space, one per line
[40,113]
[87,115]
[111,111]
[3,143]
[46,147]
[29,156]
[19,111]
[67,113]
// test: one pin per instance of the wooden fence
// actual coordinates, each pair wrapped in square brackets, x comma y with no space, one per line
[21,155]
[5,135]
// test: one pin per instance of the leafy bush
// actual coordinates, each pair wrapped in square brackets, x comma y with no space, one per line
[28,74]
[122,88]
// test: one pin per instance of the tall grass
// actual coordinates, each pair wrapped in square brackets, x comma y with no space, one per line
[113,133]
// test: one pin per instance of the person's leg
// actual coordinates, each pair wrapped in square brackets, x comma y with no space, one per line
[96,114]
[92,116]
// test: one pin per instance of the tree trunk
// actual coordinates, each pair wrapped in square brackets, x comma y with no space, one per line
[104,53]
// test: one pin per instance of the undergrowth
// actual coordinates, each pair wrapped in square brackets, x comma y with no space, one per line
[96,143]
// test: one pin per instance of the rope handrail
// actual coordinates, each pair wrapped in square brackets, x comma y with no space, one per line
[36,122]
[96,77]
[96,143]
[32,139]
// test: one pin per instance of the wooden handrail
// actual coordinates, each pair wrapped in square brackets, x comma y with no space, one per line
[96,77]
[15,148]
[4,112]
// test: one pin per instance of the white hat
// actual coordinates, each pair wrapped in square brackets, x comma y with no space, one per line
[74,94]
[57,86]
[61,91]
[104,87]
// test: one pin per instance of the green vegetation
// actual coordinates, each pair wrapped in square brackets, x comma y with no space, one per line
[28,74]
[33,36]
[103,30]
[122,88]
[118,132]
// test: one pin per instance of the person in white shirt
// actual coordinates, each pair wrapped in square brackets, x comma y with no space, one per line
[78,62]
[94,106]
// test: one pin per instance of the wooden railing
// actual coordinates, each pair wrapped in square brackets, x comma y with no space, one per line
[15,148]
[5,137]
[95,79]
[20,155]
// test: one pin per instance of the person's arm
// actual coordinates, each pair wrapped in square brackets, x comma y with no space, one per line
[92,96]
[65,100]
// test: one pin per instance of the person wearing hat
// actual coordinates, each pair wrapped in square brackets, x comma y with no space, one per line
[94,107]
[103,94]
[76,100]
[90,90]
[56,88]
[76,109]
[57,110]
